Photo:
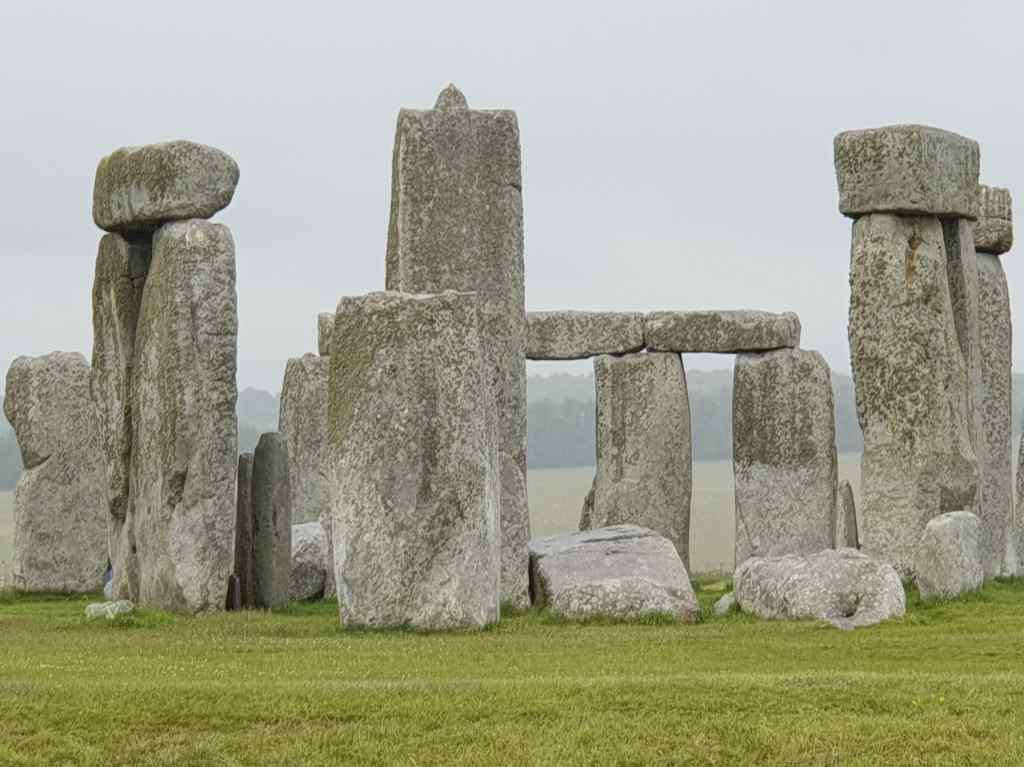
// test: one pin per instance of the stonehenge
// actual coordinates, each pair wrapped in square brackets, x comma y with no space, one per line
[721,332]
[571,335]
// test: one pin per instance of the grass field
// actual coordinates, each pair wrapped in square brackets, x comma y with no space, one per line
[943,686]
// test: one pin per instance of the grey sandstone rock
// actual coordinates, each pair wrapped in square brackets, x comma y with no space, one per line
[843,587]
[271,522]
[623,571]
[998,548]
[244,549]
[846,518]
[324,329]
[907,169]
[725,605]
[644,471]
[181,525]
[109,610]
[724,332]
[414,464]
[994,232]
[309,562]
[948,558]
[784,454]
[137,189]
[303,423]
[911,383]
[60,502]
[574,335]
[457,224]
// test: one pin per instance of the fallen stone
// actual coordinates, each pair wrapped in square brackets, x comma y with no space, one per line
[842,587]
[244,548]
[138,189]
[722,332]
[994,232]
[948,560]
[303,423]
[907,169]
[414,464]
[181,525]
[911,384]
[725,605]
[309,562]
[846,518]
[325,327]
[60,502]
[457,224]
[644,471]
[109,610]
[784,454]
[271,522]
[572,335]
[622,571]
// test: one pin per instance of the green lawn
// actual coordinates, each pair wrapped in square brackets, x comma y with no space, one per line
[943,686]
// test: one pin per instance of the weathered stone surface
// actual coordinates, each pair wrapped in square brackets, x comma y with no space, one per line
[911,384]
[1016,560]
[108,610]
[843,587]
[724,332]
[515,558]
[994,232]
[309,562]
[725,605]
[271,522]
[622,571]
[303,423]
[573,335]
[244,546]
[414,464]
[948,559]
[998,548]
[907,169]
[137,189]
[846,518]
[644,471]
[60,503]
[324,328]
[181,523]
[784,454]
[457,224]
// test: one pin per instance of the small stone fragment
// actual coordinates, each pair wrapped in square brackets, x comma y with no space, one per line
[573,335]
[948,559]
[722,332]
[309,562]
[271,522]
[109,610]
[994,232]
[725,605]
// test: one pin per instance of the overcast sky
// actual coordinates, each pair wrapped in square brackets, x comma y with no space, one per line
[675,155]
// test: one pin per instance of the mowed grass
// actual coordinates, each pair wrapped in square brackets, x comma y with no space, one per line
[943,686]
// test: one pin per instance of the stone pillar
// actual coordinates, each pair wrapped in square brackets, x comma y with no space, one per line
[911,327]
[784,454]
[846,518]
[415,468]
[60,508]
[457,224]
[271,522]
[993,237]
[244,533]
[644,461]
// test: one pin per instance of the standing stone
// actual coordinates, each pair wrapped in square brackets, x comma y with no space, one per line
[308,573]
[60,503]
[784,454]
[303,424]
[185,432]
[846,518]
[415,485]
[244,533]
[457,224]
[911,383]
[948,562]
[644,470]
[325,328]
[271,522]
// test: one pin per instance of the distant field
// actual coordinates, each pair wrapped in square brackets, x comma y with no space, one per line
[6,533]
[556,496]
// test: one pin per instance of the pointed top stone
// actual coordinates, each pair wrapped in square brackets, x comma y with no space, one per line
[450,98]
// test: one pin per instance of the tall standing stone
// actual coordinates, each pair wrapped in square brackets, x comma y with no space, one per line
[784,454]
[910,328]
[303,424]
[644,469]
[415,477]
[60,503]
[271,522]
[244,533]
[457,224]
[847,536]
[185,431]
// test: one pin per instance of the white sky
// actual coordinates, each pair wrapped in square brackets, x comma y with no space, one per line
[676,155]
